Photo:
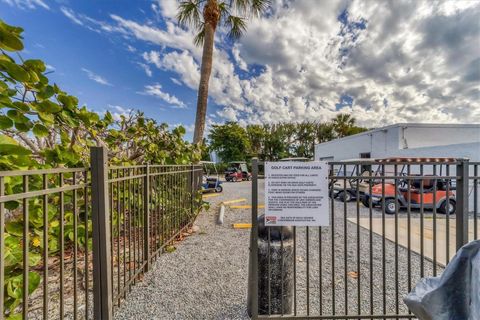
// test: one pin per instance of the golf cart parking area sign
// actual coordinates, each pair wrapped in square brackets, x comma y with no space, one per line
[296,194]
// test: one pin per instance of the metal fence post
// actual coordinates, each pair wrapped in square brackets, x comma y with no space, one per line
[253,259]
[102,284]
[462,203]
[192,183]
[146,218]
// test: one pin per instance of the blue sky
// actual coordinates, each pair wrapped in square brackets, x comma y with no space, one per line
[383,62]
[77,55]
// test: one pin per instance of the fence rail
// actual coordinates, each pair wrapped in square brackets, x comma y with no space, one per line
[62,231]
[390,225]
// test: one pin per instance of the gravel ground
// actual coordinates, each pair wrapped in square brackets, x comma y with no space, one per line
[206,277]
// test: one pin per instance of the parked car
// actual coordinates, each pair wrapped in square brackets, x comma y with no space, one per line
[237,171]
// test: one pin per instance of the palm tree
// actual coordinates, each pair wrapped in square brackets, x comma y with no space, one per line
[342,124]
[205,16]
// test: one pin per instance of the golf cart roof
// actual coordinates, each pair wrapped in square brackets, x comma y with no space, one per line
[414,160]
[295,159]
[237,162]
[360,160]
[207,162]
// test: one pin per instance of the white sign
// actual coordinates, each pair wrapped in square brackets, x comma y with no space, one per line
[296,194]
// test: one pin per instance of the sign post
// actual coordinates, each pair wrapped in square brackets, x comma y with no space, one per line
[296,194]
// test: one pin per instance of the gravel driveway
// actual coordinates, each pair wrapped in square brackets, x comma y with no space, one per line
[206,277]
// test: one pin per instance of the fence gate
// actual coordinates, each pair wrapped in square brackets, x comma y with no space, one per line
[388,229]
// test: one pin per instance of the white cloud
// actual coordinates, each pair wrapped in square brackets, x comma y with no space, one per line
[131,48]
[97,78]
[156,91]
[70,14]
[146,68]
[181,63]
[176,81]
[399,61]
[27,4]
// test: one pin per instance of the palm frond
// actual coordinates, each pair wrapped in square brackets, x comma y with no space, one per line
[236,25]
[241,6]
[224,9]
[200,37]
[257,7]
[189,13]
[250,7]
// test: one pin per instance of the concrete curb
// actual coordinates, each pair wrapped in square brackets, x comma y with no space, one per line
[221,214]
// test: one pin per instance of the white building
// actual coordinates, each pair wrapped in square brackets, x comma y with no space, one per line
[406,140]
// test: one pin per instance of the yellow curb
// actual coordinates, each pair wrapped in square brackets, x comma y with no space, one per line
[242,225]
[210,195]
[235,201]
[247,206]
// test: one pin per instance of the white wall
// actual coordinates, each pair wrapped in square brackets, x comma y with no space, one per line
[421,136]
[345,148]
[416,140]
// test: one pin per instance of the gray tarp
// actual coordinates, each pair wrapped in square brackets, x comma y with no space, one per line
[455,294]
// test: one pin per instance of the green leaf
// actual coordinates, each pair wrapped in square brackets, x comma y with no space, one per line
[15,284]
[48,106]
[10,40]
[15,71]
[12,205]
[5,122]
[11,149]
[68,102]
[35,65]
[16,316]
[40,130]
[46,93]
[47,118]
[170,249]
[23,127]
[17,116]
[22,106]
[108,117]
[15,228]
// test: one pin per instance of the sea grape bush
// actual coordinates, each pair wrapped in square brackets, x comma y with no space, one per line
[42,126]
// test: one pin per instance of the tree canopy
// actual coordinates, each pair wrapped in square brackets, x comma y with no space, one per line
[230,141]
[276,141]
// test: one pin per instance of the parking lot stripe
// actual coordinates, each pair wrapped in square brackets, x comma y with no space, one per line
[242,225]
[210,195]
[235,201]
[247,206]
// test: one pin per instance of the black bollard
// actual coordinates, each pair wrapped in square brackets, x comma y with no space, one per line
[275,270]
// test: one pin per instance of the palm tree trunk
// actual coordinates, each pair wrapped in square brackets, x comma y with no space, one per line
[211,16]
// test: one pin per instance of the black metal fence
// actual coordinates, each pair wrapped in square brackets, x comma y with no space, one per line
[400,221]
[74,241]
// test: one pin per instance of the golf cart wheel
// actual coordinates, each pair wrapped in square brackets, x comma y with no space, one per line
[390,206]
[452,207]
[234,179]
[249,178]
[366,203]
[219,189]
[344,196]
